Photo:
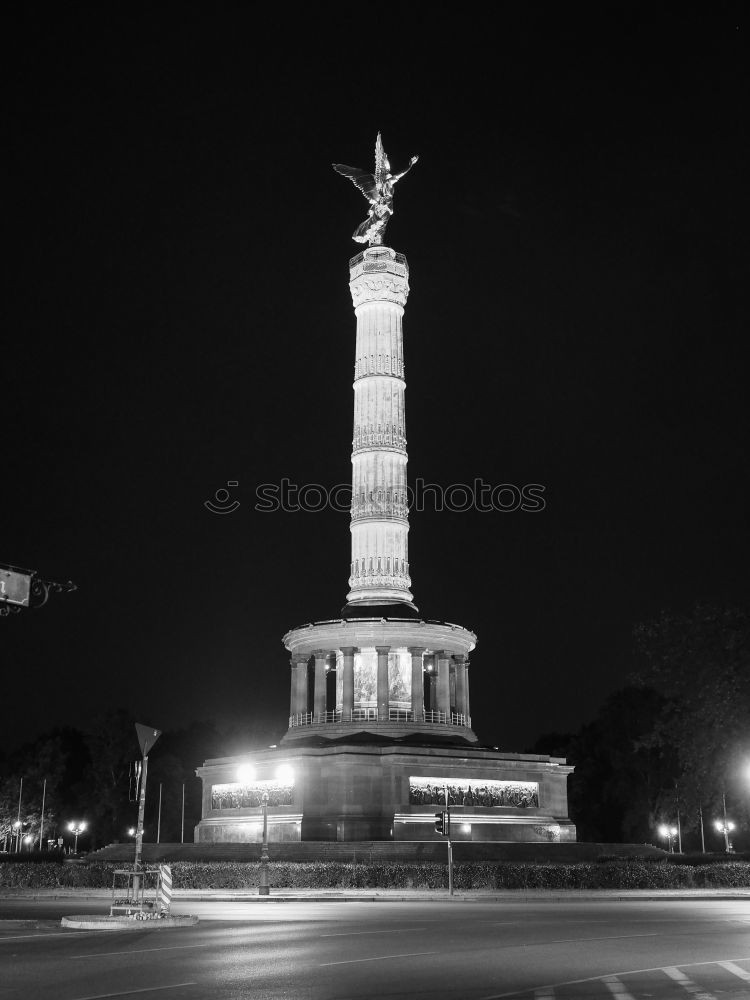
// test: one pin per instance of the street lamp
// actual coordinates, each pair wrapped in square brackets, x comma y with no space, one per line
[725,826]
[76,827]
[669,833]
[17,834]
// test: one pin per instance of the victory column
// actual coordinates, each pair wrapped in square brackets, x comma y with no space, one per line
[379,718]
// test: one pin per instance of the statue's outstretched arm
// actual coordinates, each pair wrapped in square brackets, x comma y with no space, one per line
[398,177]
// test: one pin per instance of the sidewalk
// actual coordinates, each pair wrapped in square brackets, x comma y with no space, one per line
[397,895]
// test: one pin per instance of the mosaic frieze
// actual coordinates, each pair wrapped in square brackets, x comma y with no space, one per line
[468,792]
[250,796]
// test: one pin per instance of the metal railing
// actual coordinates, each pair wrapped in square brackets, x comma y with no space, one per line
[371,715]
[433,716]
[399,715]
[365,715]
[300,719]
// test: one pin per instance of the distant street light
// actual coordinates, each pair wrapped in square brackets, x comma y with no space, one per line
[76,827]
[131,831]
[27,839]
[725,825]
[669,833]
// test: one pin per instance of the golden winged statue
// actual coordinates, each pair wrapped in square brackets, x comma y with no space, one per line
[378,189]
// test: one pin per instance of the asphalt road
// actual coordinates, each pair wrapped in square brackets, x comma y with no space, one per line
[578,950]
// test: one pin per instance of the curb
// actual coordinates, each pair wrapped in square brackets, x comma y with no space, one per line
[94,922]
[385,896]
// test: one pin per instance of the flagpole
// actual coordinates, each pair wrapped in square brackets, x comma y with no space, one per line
[41,825]
[158,821]
[18,822]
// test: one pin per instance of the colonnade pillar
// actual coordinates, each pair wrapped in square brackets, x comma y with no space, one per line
[443,682]
[321,655]
[382,652]
[466,689]
[293,688]
[300,676]
[347,707]
[417,683]
[460,684]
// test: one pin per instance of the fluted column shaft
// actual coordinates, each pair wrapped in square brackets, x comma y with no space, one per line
[417,683]
[466,689]
[444,683]
[382,652]
[347,707]
[379,526]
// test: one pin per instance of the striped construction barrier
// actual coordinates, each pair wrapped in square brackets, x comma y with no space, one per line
[165,888]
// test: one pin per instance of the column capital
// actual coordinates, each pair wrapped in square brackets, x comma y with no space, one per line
[380,650]
[441,654]
[416,650]
[460,658]
[349,650]
[320,654]
[298,659]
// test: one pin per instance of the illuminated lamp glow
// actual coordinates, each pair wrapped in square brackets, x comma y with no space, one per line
[246,772]
[285,775]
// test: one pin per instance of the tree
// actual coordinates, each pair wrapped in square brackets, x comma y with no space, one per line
[700,662]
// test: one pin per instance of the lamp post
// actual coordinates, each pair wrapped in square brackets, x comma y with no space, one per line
[76,827]
[669,833]
[16,836]
[263,887]
[725,825]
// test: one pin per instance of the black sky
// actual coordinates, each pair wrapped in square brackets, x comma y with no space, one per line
[177,315]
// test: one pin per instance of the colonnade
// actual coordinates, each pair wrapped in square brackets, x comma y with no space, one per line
[434,700]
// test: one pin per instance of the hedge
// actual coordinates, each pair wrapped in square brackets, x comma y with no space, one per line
[335,875]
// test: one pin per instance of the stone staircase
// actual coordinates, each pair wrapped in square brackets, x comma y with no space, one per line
[378,852]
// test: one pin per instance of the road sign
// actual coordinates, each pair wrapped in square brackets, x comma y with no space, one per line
[15,586]
[147,736]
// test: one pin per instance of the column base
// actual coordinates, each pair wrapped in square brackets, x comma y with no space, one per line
[396,609]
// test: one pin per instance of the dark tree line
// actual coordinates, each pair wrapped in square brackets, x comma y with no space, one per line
[675,741]
[89,776]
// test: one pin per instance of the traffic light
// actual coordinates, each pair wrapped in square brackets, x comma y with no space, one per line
[443,823]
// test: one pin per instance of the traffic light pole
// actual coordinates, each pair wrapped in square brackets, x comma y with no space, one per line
[450,843]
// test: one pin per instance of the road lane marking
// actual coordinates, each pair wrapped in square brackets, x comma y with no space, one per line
[687,983]
[595,979]
[735,970]
[356,961]
[394,930]
[582,940]
[42,935]
[141,951]
[128,993]
[616,988]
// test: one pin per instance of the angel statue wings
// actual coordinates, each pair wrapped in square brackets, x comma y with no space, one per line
[378,189]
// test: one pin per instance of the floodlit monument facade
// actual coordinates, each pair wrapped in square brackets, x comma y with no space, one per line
[379,734]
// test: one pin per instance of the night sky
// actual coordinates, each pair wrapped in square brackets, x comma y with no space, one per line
[177,315]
